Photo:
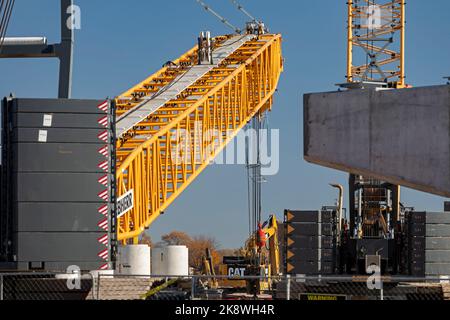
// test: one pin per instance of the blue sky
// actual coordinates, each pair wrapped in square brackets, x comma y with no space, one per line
[122,42]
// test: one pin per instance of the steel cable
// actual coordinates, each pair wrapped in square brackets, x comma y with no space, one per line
[218,16]
[4,22]
[242,9]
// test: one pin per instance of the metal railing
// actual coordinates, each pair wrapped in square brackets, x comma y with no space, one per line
[95,286]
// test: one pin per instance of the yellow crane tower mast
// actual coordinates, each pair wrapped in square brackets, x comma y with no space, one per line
[173,124]
[377,29]
[373,26]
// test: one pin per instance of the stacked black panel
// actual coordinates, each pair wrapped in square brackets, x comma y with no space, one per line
[310,242]
[429,243]
[60,164]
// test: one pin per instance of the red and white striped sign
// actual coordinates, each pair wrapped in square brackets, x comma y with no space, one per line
[104,267]
[103,254]
[104,195]
[103,180]
[104,106]
[103,151]
[103,165]
[103,240]
[103,136]
[103,224]
[103,210]
[103,121]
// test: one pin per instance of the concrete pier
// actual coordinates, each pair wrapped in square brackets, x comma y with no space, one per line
[400,136]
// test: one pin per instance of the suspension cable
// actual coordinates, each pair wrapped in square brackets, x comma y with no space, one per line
[254,177]
[3,9]
[218,16]
[242,9]
[8,6]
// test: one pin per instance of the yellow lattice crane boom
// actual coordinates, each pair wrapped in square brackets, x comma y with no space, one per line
[372,28]
[173,124]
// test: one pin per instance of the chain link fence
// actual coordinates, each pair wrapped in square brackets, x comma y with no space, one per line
[363,288]
[95,286]
[44,286]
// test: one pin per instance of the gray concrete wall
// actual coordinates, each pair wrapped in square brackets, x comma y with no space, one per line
[400,136]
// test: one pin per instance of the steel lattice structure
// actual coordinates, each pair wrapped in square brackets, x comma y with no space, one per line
[372,27]
[161,155]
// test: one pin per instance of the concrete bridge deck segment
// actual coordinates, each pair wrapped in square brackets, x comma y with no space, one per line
[399,136]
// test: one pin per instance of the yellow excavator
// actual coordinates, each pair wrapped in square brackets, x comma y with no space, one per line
[259,257]
[208,270]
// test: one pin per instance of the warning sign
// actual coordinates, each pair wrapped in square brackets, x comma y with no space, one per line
[125,203]
[321,297]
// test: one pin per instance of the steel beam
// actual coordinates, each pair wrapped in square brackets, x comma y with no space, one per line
[28,51]
[63,51]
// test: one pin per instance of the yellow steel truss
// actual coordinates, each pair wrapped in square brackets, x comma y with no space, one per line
[372,26]
[163,154]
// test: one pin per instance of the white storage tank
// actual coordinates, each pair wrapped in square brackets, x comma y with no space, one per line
[134,260]
[170,261]
[158,261]
[177,260]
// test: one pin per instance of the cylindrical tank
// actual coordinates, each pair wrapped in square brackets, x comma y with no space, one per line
[177,258]
[158,261]
[170,261]
[134,260]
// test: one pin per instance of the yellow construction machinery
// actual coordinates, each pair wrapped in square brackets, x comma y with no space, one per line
[259,257]
[208,270]
[378,29]
[173,124]
[372,26]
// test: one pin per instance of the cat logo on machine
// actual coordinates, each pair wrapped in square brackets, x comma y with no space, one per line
[125,203]
[236,272]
